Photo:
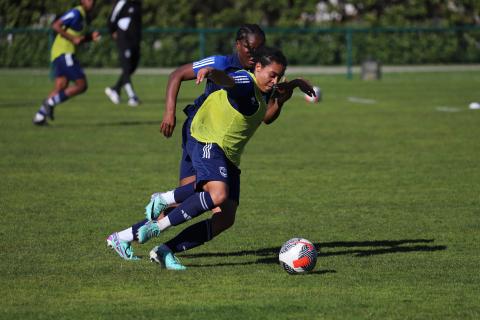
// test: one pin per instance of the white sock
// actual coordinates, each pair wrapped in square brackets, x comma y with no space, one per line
[126,235]
[168,197]
[164,223]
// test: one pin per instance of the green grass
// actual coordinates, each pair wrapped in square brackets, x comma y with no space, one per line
[388,191]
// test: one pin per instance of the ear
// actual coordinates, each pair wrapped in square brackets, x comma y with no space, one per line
[258,66]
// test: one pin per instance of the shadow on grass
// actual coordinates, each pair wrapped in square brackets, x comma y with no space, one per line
[326,249]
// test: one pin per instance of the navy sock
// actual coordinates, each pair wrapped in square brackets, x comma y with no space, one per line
[184,192]
[57,99]
[137,226]
[195,205]
[193,236]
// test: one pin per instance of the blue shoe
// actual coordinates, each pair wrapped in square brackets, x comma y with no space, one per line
[122,248]
[166,258]
[156,205]
[148,231]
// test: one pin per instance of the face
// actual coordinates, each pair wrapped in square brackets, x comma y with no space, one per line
[246,47]
[88,4]
[269,75]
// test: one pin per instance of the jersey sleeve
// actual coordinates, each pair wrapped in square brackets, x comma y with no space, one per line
[71,17]
[216,62]
[243,87]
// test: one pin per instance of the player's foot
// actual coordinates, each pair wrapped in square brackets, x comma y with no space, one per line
[122,248]
[163,256]
[40,119]
[148,231]
[48,110]
[156,205]
[133,102]
[112,95]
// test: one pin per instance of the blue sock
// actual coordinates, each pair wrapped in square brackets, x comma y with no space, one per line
[184,192]
[195,205]
[57,99]
[137,226]
[193,236]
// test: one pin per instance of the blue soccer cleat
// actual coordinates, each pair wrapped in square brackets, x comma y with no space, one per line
[122,248]
[148,231]
[166,259]
[156,205]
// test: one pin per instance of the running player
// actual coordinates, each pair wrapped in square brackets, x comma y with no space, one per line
[249,38]
[125,26]
[220,129]
[70,33]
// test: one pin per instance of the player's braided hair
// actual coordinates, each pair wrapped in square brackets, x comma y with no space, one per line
[248,29]
[266,55]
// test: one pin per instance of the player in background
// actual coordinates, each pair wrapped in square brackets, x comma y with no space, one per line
[70,33]
[249,38]
[125,26]
[220,129]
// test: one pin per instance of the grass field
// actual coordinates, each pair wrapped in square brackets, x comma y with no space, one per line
[384,177]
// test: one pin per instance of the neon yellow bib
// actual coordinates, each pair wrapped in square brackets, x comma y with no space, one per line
[217,121]
[61,45]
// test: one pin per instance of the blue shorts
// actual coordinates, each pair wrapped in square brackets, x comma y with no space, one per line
[66,65]
[208,162]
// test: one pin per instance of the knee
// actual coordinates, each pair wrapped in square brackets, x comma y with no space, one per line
[83,88]
[218,195]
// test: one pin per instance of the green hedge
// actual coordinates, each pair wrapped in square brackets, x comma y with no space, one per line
[163,48]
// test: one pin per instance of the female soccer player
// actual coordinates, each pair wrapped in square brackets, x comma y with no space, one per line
[70,33]
[219,131]
[249,38]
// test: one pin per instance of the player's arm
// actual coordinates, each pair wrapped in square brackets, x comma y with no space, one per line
[57,26]
[175,79]
[218,77]
[282,93]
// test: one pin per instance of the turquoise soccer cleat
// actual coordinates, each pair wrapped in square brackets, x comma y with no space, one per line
[166,259]
[122,248]
[156,205]
[148,231]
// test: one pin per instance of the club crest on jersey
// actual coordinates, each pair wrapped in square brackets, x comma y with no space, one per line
[223,171]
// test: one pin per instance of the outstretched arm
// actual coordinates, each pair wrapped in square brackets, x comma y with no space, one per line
[182,73]
[282,93]
[217,76]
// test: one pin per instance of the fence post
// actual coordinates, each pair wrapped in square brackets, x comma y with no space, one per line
[348,38]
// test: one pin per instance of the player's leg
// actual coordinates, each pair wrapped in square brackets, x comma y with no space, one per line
[66,68]
[113,93]
[198,234]
[133,99]
[121,241]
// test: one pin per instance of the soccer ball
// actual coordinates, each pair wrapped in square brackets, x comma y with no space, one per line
[298,255]
[474,106]
[316,99]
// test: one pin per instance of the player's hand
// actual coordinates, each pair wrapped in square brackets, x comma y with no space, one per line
[168,125]
[77,40]
[202,74]
[96,36]
[306,87]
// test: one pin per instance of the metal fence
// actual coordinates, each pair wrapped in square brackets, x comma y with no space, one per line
[168,47]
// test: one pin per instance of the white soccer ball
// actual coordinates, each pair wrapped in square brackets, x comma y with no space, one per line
[474,106]
[316,99]
[298,255]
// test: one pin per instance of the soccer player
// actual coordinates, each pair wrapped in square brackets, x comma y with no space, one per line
[70,33]
[125,26]
[219,131]
[249,38]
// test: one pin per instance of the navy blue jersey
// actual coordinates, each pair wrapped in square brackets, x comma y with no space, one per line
[228,64]
[242,95]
